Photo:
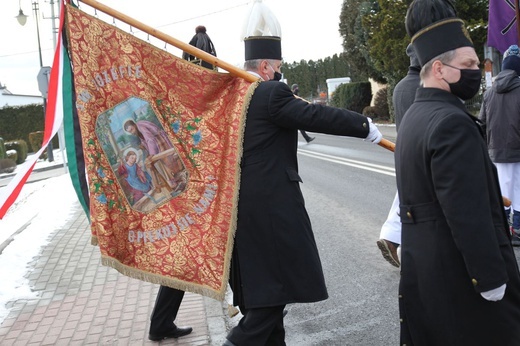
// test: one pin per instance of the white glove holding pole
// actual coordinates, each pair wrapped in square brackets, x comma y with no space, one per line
[495,294]
[374,135]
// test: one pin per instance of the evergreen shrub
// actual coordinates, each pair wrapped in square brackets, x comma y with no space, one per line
[12,155]
[36,140]
[381,104]
[21,149]
[7,165]
[2,149]
[352,96]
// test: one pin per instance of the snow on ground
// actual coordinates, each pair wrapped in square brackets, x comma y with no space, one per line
[41,208]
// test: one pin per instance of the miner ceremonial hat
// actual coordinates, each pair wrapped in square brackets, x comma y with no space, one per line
[262,34]
[440,37]
[263,47]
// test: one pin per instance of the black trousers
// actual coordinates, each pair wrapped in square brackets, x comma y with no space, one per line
[259,327]
[305,135]
[165,310]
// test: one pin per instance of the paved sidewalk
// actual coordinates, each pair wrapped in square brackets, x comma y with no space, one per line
[81,302]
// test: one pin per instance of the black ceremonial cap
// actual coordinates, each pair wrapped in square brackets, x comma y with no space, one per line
[440,37]
[263,47]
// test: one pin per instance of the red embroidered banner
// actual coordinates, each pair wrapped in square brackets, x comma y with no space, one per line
[162,142]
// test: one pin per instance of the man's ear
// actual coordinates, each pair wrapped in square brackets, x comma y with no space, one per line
[263,65]
[437,69]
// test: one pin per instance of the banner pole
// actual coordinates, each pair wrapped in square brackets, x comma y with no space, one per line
[188,48]
[517,10]
[173,41]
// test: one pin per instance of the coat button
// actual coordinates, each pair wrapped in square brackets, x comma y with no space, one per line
[474,282]
[365,125]
[401,320]
[409,214]
[400,296]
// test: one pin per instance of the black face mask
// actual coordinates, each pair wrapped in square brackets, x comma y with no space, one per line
[468,84]
[277,75]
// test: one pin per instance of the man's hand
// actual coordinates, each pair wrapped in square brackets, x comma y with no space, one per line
[374,135]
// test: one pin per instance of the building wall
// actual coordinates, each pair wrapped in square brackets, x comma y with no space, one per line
[12,100]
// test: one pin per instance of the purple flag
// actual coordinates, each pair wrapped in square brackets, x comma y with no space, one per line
[502,31]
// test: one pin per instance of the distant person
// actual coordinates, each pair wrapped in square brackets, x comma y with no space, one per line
[402,98]
[308,138]
[500,114]
[202,41]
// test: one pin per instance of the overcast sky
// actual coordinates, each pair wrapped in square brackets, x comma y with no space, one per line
[309,30]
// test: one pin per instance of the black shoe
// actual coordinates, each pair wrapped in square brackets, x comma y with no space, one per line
[311,139]
[176,332]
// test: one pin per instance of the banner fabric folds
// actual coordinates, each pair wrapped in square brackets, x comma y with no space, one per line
[502,25]
[162,141]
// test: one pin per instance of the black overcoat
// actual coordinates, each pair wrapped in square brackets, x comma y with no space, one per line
[455,237]
[275,259]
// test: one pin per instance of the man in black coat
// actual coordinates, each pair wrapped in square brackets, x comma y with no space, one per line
[202,41]
[460,283]
[275,258]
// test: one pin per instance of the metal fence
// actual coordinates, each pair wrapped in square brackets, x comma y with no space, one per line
[473,105]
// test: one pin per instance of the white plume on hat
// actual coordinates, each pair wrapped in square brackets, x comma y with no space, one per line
[261,22]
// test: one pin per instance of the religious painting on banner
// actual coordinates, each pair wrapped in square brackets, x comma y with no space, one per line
[162,140]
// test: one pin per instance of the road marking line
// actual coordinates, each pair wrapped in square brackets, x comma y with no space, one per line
[348,162]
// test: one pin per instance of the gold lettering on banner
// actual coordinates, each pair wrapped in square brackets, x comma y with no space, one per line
[181,224]
[105,77]
[82,98]
[205,201]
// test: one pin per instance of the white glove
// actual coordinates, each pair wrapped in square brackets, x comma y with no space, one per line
[374,135]
[495,294]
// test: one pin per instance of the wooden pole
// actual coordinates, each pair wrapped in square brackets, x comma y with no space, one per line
[385,143]
[173,41]
[517,10]
[188,48]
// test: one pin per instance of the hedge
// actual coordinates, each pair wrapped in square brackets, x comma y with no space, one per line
[21,149]
[2,149]
[18,122]
[352,96]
